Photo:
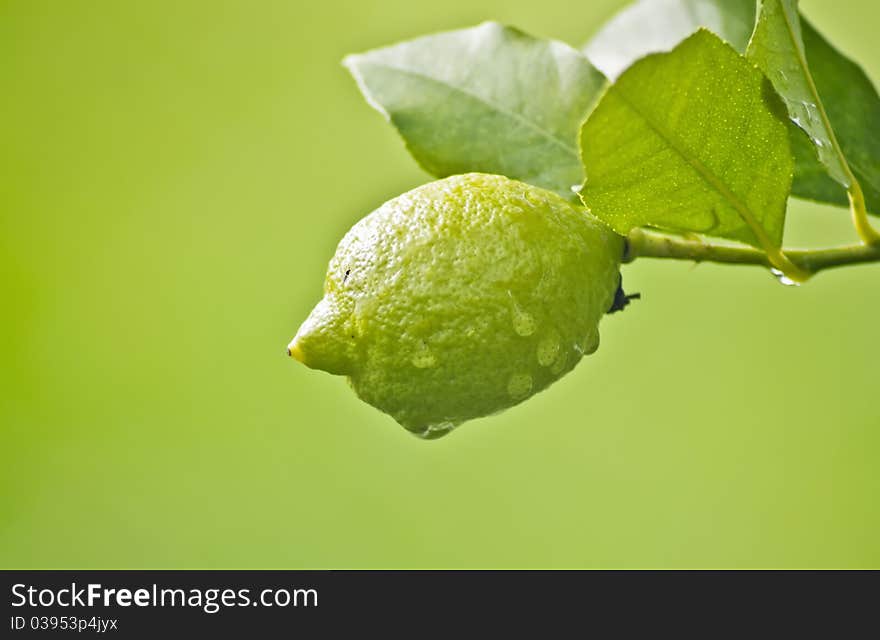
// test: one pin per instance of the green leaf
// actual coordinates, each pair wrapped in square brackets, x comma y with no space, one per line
[851,101]
[694,140]
[777,47]
[811,179]
[652,26]
[489,98]
[853,107]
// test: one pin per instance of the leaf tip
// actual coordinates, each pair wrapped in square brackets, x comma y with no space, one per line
[351,62]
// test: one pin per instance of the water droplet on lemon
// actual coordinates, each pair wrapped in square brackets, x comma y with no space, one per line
[519,385]
[523,323]
[423,358]
[548,350]
[557,367]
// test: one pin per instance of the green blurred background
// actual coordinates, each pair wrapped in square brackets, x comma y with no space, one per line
[175,176]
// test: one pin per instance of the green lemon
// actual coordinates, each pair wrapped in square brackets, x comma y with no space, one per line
[461,298]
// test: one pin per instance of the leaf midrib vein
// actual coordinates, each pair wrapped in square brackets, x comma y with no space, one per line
[800,53]
[707,174]
[569,148]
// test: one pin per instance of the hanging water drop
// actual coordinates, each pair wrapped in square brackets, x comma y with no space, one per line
[783,279]
[433,431]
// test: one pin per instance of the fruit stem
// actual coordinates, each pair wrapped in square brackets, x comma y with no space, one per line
[642,243]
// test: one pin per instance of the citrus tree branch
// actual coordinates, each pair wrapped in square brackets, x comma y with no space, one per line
[643,243]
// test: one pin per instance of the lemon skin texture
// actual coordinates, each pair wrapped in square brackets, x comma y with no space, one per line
[461,298]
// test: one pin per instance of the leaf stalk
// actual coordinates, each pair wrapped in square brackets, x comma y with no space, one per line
[860,214]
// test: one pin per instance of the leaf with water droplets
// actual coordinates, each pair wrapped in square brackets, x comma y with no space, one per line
[853,109]
[850,99]
[777,47]
[695,140]
[490,99]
